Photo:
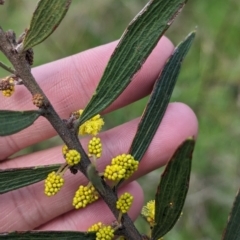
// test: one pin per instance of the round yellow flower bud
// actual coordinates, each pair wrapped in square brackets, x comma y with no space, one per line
[72,157]
[127,162]
[105,233]
[7,87]
[121,167]
[84,196]
[124,202]
[95,147]
[114,172]
[53,184]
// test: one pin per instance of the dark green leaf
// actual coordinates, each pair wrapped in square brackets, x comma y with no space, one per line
[172,190]
[232,231]
[51,235]
[45,20]
[11,179]
[134,47]
[15,121]
[159,100]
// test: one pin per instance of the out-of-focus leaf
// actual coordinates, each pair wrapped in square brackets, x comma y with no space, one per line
[159,99]
[134,47]
[172,190]
[11,179]
[232,231]
[45,20]
[15,121]
[50,235]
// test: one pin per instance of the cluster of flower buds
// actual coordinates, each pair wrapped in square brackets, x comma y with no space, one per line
[148,212]
[53,183]
[7,86]
[103,232]
[84,196]
[71,156]
[38,100]
[92,126]
[121,167]
[124,202]
[95,147]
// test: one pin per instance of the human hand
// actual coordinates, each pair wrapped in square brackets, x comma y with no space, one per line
[69,84]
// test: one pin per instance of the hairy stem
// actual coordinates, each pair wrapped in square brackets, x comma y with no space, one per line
[23,70]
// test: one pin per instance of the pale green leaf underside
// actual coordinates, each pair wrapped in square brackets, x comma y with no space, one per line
[45,20]
[11,179]
[136,44]
[14,121]
[172,190]
[159,99]
[50,235]
[232,231]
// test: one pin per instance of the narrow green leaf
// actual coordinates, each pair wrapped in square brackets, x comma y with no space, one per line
[50,235]
[94,177]
[134,47]
[15,121]
[232,231]
[172,190]
[159,99]
[11,179]
[45,20]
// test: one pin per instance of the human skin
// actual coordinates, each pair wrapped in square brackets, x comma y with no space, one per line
[69,84]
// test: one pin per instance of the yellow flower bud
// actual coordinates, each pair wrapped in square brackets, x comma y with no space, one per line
[121,167]
[124,202]
[72,157]
[84,196]
[105,233]
[148,211]
[95,147]
[53,184]
[7,86]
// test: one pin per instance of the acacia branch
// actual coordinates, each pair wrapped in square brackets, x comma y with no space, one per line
[23,70]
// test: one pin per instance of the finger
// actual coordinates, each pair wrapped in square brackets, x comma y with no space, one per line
[29,208]
[98,212]
[69,83]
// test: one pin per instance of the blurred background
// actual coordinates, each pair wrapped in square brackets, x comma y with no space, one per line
[209,83]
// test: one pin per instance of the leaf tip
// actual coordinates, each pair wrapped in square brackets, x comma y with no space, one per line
[191,138]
